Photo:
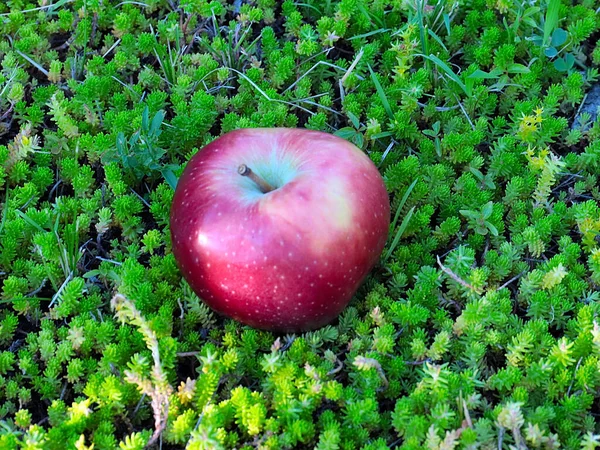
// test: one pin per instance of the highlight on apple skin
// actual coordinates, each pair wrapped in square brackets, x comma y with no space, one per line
[277,228]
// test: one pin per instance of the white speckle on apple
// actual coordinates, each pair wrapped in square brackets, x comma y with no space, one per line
[299,294]
[208,265]
[320,275]
[281,242]
[312,284]
[229,266]
[258,297]
[245,286]
[196,260]
[290,254]
[306,268]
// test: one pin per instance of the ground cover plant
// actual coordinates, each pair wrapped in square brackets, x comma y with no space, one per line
[478,328]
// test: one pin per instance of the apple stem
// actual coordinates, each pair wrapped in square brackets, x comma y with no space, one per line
[246,171]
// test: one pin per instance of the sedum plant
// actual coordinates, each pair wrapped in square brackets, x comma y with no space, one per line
[479,327]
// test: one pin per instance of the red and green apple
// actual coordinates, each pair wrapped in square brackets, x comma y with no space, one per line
[277,227]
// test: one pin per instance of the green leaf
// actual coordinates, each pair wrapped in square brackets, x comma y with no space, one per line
[59,4]
[382,135]
[169,177]
[470,214]
[381,94]
[478,74]
[403,201]
[145,119]
[551,19]
[550,52]
[354,120]
[492,228]
[156,123]
[559,37]
[565,63]
[487,209]
[358,140]
[27,219]
[406,219]
[447,23]
[345,133]
[437,39]
[400,232]
[570,60]
[442,65]
[518,68]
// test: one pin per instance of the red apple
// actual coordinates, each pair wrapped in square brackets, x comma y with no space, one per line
[287,259]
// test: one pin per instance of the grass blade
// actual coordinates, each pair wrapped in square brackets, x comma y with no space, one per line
[406,219]
[551,19]
[442,65]
[403,201]
[27,219]
[381,94]
[399,233]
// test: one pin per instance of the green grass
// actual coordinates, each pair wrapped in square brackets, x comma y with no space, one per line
[477,329]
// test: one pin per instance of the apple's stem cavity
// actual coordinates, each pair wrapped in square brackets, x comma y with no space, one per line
[245,171]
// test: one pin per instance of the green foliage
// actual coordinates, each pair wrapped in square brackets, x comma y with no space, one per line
[477,329]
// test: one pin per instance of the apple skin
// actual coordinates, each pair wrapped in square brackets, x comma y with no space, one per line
[291,259]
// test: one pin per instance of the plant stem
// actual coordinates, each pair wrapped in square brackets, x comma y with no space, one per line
[245,171]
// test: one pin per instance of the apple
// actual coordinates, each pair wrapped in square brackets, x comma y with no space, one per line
[277,228]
